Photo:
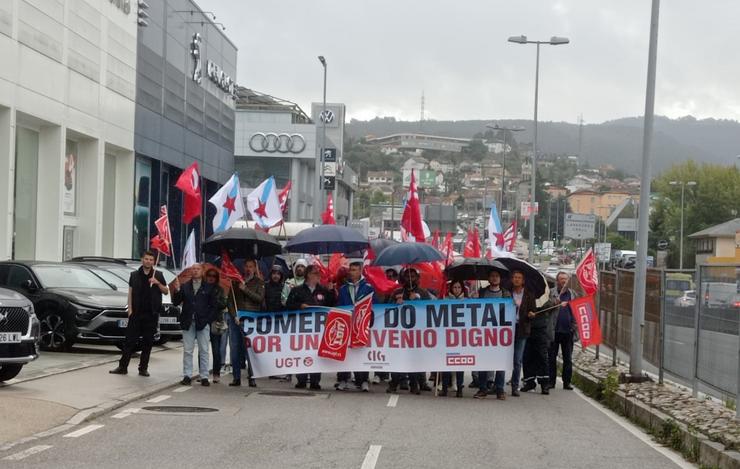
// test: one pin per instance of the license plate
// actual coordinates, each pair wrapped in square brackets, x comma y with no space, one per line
[168,320]
[10,337]
[123,323]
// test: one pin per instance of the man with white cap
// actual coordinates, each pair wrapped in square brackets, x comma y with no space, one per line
[299,276]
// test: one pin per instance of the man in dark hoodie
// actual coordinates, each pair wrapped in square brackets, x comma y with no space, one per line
[274,290]
[536,351]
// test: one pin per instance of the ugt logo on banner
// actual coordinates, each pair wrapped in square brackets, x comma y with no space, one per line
[336,335]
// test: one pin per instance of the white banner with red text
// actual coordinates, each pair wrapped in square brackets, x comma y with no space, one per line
[442,335]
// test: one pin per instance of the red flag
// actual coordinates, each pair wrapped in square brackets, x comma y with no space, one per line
[189,184]
[447,248]
[510,237]
[336,335]
[228,269]
[435,239]
[411,218]
[376,277]
[327,218]
[587,273]
[584,311]
[163,229]
[431,276]
[159,244]
[472,244]
[361,318]
[283,197]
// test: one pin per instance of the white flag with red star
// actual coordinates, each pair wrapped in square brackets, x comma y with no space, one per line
[229,205]
[264,206]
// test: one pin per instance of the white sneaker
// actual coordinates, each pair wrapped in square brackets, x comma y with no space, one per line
[453,388]
[376,379]
[342,386]
[365,386]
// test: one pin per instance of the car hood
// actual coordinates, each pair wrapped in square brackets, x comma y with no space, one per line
[93,297]
[12,298]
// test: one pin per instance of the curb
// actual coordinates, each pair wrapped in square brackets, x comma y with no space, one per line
[693,446]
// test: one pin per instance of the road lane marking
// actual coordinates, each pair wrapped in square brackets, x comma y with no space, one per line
[676,458]
[126,413]
[161,398]
[183,389]
[83,431]
[27,452]
[393,400]
[371,458]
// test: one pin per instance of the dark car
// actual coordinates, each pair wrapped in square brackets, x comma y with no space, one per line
[19,333]
[117,272]
[72,303]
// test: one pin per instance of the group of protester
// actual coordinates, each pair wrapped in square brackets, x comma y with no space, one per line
[209,318]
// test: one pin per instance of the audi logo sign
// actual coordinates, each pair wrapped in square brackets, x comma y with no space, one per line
[277,143]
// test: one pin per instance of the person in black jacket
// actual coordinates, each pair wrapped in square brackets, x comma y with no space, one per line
[199,302]
[146,287]
[309,294]
[274,289]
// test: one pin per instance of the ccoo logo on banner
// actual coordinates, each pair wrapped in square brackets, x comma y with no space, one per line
[443,335]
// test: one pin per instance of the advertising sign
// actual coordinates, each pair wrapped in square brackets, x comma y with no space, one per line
[603,251]
[626,224]
[526,207]
[578,226]
[424,179]
[69,197]
[443,335]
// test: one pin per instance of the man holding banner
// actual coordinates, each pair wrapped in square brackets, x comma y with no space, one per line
[354,289]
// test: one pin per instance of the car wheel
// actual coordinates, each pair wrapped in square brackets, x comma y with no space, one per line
[9,371]
[54,335]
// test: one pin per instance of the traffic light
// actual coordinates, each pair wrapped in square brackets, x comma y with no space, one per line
[554,235]
[141,14]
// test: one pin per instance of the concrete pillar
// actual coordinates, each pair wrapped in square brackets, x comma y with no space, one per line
[89,198]
[49,219]
[7,180]
[123,218]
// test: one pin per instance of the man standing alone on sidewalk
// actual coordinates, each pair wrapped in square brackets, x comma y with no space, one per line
[199,306]
[565,332]
[146,287]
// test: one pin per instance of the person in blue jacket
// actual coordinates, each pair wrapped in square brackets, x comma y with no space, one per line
[353,290]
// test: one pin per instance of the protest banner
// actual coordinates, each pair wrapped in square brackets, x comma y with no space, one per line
[442,335]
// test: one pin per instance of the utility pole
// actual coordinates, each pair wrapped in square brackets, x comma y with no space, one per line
[638,300]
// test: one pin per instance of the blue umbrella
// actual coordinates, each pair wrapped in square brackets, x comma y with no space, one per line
[408,253]
[327,239]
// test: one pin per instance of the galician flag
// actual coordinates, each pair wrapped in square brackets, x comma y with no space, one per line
[264,206]
[229,205]
[495,232]
[189,256]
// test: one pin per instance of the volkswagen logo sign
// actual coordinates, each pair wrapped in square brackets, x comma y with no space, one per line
[277,143]
[326,116]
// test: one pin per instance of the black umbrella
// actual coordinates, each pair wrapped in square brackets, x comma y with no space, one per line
[534,280]
[408,253]
[245,243]
[475,268]
[327,239]
[376,245]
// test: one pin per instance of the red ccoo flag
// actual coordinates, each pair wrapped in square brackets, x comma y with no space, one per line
[472,244]
[337,331]
[587,273]
[327,218]
[435,239]
[411,218]
[584,311]
[189,184]
[361,318]
[228,269]
[447,248]
[159,244]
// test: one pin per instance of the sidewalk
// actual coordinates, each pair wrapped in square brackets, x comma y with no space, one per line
[66,399]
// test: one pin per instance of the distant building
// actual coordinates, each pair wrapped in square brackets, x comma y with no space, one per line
[588,202]
[403,142]
[497,146]
[556,191]
[718,244]
[444,168]
[375,178]
[526,170]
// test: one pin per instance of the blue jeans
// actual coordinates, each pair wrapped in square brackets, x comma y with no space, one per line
[237,351]
[518,357]
[189,338]
[499,380]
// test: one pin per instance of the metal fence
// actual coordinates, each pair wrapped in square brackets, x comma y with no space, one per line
[692,320]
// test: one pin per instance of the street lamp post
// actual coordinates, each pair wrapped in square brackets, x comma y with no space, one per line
[503,163]
[554,41]
[318,193]
[680,242]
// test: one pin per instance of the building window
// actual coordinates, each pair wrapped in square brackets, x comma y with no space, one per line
[705,246]
[142,193]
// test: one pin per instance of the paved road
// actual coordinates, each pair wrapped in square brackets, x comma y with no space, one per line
[345,430]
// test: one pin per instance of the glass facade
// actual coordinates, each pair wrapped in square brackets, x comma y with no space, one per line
[26,190]
[142,194]
[253,170]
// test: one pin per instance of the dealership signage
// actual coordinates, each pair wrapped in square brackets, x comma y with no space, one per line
[214,72]
[123,5]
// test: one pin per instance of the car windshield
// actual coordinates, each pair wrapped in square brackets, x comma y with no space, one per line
[67,276]
[111,278]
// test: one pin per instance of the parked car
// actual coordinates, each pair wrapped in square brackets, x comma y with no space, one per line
[19,333]
[72,303]
[687,299]
[117,271]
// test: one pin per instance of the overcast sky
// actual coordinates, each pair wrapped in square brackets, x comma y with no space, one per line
[383,53]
